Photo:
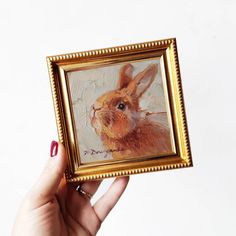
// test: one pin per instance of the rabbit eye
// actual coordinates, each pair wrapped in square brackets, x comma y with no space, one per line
[121,106]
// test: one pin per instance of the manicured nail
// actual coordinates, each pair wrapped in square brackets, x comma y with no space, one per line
[54,149]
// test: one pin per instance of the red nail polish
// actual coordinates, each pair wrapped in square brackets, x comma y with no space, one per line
[54,148]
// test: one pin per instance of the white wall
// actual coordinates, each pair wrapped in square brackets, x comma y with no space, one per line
[194,201]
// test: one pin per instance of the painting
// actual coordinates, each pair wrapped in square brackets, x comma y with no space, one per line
[120,110]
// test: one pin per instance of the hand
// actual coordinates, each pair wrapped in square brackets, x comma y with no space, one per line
[53,207]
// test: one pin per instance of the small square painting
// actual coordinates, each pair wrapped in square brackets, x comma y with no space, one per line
[121,111]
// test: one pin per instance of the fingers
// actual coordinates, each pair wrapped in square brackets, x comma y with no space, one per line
[105,204]
[90,187]
[80,209]
[47,184]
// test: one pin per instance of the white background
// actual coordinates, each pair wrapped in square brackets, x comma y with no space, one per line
[195,201]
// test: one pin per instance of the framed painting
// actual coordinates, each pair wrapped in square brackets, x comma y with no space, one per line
[120,110]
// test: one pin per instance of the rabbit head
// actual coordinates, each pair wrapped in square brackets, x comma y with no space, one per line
[116,113]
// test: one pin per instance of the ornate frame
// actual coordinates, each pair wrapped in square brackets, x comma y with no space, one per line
[59,65]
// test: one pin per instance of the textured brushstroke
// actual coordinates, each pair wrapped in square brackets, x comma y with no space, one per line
[86,86]
[121,124]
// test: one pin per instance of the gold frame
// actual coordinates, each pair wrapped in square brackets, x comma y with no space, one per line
[59,65]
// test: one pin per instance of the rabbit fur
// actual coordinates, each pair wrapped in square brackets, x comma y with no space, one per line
[124,128]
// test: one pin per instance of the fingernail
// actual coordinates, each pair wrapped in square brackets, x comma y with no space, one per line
[54,148]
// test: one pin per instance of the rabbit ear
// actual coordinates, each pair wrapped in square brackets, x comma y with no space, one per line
[126,72]
[142,81]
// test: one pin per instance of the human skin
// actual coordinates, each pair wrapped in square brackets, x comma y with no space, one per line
[53,207]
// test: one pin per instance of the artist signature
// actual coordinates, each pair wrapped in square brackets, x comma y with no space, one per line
[93,152]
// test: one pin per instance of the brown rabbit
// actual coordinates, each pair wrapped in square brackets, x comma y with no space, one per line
[123,127]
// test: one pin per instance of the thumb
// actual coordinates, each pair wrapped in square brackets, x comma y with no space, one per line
[46,186]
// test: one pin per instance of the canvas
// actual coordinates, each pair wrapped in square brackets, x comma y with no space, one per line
[112,120]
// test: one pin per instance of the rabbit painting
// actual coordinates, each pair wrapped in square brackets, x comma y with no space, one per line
[121,124]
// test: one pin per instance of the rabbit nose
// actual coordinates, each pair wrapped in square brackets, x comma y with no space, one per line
[96,107]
